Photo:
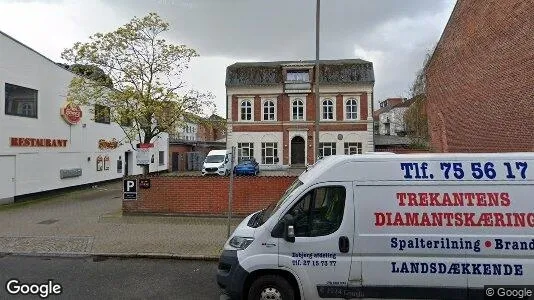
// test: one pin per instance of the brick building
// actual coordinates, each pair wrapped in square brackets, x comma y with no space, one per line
[193,140]
[271,110]
[480,79]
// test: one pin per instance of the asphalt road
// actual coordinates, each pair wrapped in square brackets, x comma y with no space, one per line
[113,278]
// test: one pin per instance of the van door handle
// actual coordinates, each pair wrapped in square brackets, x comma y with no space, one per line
[344,244]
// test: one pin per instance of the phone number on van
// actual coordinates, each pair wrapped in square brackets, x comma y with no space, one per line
[474,170]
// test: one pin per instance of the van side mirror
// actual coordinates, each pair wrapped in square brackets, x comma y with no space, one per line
[289,228]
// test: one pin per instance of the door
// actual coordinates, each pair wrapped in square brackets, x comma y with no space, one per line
[175,161]
[297,150]
[7,179]
[321,254]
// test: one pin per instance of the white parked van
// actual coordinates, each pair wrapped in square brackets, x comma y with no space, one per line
[218,162]
[408,226]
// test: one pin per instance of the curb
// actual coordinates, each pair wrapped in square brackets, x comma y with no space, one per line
[104,256]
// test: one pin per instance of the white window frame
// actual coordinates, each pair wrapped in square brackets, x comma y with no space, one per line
[250,147]
[263,102]
[293,99]
[240,105]
[332,146]
[333,99]
[264,157]
[345,111]
[348,146]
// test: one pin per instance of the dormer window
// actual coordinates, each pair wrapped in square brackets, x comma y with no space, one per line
[299,76]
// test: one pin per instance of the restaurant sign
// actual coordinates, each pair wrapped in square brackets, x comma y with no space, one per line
[71,113]
[104,144]
[37,142]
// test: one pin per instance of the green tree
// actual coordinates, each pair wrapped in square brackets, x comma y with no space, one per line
[415,116]
[147,97]
[93,73]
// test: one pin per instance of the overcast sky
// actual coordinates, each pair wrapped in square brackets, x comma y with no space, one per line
[393,34]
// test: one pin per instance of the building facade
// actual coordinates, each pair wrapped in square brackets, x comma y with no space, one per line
[194,139]
[46,144]
[391,118]
[479,79]
[271,110]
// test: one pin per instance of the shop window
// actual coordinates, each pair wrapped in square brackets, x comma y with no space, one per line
[327,149]
[269,153]
[20,101]
[244,151]
[353,148]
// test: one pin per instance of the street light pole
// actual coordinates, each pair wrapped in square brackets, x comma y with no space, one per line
[316,73]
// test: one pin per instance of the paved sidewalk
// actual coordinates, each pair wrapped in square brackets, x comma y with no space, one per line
[90,222]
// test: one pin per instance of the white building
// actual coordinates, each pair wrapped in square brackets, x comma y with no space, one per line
[39,149]
[187,130]
[391,119]
[271,110]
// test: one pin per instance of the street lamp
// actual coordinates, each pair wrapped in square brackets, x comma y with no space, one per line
[317,98]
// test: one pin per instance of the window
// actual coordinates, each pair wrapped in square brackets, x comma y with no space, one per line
[351,109]
[244,151]
[20,101]
[269,153]
[102,114]
[353,148]
[268,110]
[302,76]
[319,212]
[327,149]
[246,110]
[328,109]
[161,158]
[298,110]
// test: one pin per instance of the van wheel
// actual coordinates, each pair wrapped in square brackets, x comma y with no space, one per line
[271,287]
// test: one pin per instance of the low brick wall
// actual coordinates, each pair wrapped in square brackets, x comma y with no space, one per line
[193,195]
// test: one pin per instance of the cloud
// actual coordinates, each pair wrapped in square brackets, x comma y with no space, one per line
[394,35]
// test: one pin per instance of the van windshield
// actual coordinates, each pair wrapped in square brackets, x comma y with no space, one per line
[275,206]
[215,158]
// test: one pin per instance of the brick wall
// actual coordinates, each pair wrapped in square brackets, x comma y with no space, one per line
[258,110]
[480,79]
[181,150]
[339,107]
[207,195]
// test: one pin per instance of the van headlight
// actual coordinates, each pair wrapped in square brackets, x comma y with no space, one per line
[241,243]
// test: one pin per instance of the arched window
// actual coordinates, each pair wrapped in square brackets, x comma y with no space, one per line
[328,109]
[268,110]
[246,111]
[351,109]
[298,109]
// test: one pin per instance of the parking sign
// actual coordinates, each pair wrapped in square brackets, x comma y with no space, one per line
[130,189]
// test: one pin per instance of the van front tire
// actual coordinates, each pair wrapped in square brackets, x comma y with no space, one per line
[271,287]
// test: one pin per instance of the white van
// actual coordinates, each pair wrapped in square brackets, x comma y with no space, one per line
[217,162]
[417,226]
